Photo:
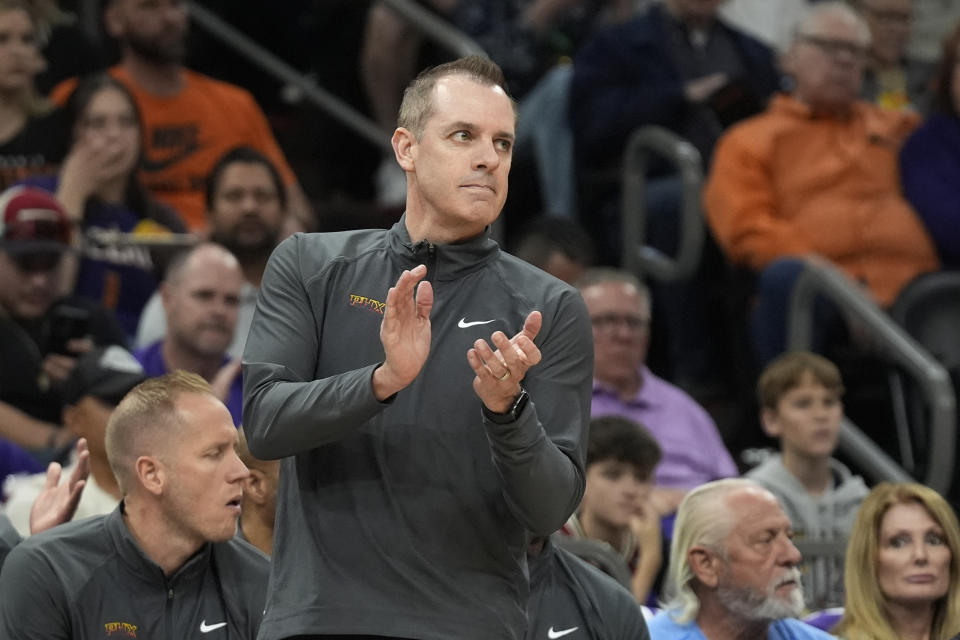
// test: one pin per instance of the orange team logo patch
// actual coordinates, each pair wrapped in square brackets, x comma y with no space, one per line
[367,303]
[120,630]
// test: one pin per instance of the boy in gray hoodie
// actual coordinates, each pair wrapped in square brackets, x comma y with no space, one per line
[800,402]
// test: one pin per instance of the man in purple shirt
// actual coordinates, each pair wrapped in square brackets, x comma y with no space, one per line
[201,296]
[693,452]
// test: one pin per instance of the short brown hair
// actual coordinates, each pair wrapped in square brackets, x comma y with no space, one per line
[624,440]
[787,371]
[143,418]
[417,105]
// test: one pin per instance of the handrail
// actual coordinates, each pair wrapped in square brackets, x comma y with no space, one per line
[426,22]
[820,278]
[436,28]
[269,62]
[637,256]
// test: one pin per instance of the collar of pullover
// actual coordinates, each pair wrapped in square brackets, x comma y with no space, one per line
[140,564]
[443,261]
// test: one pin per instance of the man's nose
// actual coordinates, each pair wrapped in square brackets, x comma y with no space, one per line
[486,156]
[791,555]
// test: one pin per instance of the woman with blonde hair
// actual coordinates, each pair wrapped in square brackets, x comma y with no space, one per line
[902,574]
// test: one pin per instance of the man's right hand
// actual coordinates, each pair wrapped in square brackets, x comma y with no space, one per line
[405,333]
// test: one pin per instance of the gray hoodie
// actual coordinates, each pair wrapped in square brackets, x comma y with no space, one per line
[826,518]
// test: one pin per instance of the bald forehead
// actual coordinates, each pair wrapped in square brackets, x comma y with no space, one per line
[753,508]
[835,20]
[450,88]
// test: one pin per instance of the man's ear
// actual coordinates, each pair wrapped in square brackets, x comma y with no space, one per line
[255,486]
[151,474]
[769,419]
[705,565]
[403,142]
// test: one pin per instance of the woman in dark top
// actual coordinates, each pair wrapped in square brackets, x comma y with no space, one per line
[99,188]
[33,136]
[930,160]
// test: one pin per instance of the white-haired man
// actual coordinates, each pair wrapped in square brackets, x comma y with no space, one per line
[733,569]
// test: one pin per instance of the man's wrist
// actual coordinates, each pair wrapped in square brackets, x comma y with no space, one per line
[511,413]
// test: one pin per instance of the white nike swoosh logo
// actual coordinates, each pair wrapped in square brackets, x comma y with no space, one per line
[207,628]
[553,635]
[463,324]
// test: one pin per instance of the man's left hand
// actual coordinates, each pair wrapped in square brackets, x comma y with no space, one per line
[500,372]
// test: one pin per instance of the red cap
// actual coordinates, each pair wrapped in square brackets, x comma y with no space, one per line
[32,220]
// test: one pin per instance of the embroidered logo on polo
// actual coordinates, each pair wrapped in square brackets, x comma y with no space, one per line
[120,630]
[367,303]
[553,635]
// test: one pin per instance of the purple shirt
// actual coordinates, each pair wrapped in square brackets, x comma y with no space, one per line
[151,358]
[693,452]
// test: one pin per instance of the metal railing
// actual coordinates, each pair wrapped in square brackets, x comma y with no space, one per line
[424,21]
[821,279]
[637,256]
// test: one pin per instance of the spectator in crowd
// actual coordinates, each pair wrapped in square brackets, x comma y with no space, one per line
[902,567]
[559,246]
[259,498]
[930,159]
[677,65]
[97,384]
[619,307]
[568,595]
[800,400]
[817,174]
[55,504]
[201,294]
[733,569]
[429,465]
[617,508]
[246,207]
[189,120]
[165,561]
[33,135]
[891,80]
[99,188]
[41,333]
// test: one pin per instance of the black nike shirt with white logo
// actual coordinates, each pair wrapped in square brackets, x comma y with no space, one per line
[409,518]
[573,600]
[89,580]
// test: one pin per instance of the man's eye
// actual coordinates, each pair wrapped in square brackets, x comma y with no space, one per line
[504,145]
[461,136]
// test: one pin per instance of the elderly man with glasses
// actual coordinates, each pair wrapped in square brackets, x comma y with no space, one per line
[693,452]
[817,174]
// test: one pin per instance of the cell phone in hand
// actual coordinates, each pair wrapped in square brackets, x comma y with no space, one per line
[66,324]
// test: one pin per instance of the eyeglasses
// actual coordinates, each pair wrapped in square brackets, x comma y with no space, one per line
[611,321]
[833,47]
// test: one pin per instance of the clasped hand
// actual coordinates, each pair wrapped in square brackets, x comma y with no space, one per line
[405,334]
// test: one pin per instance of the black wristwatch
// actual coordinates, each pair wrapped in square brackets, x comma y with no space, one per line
[511,414]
